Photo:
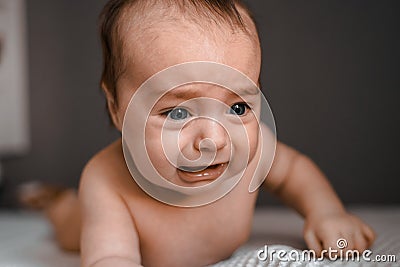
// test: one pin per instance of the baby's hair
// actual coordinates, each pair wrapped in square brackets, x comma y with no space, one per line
[115,12]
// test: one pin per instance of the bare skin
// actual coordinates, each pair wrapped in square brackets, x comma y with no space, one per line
[150,233]
[161,235]
[123,226]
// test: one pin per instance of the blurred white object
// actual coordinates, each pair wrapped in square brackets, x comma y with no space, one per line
[14,124]
[27,240]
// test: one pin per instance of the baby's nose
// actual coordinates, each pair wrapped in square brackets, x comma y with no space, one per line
[210,135]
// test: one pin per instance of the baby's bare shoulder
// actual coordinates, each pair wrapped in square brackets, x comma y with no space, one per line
[106,169]
[104,182]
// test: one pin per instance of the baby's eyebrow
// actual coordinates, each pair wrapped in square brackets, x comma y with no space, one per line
[196,92]
[250,91]
[185,94]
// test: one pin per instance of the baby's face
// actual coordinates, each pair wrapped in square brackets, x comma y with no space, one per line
[165,47]
[192,131]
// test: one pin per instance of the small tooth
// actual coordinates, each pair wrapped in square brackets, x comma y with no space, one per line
[193,169]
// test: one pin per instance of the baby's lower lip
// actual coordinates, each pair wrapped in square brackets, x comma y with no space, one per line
[210,173]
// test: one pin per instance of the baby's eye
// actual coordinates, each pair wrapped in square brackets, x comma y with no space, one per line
[177,114]
[239,109]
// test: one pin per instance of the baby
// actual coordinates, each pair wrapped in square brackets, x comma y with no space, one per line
[124,226]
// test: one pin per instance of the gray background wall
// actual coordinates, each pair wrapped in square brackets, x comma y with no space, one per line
[330,72]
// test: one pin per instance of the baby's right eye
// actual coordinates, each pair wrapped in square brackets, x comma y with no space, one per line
[177,114]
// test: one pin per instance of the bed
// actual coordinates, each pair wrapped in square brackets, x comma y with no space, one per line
[26,239]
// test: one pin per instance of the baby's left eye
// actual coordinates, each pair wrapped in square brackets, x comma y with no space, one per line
[177,114]
[239,109]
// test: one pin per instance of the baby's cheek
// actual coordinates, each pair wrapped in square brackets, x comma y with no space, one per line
[156,150]
[253,134]
[157,158]
[153,144]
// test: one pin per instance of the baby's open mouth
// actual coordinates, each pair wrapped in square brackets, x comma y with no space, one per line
[201,173]
[199,168]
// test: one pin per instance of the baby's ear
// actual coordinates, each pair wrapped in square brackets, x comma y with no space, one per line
[112,106]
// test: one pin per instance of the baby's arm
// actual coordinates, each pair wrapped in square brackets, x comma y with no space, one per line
[296,180]
[109,236]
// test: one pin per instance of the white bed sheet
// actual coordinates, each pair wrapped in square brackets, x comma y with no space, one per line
[26,239]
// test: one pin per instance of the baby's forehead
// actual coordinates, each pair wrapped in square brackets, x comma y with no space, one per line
[204,13]
[142,23]
[151,43]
